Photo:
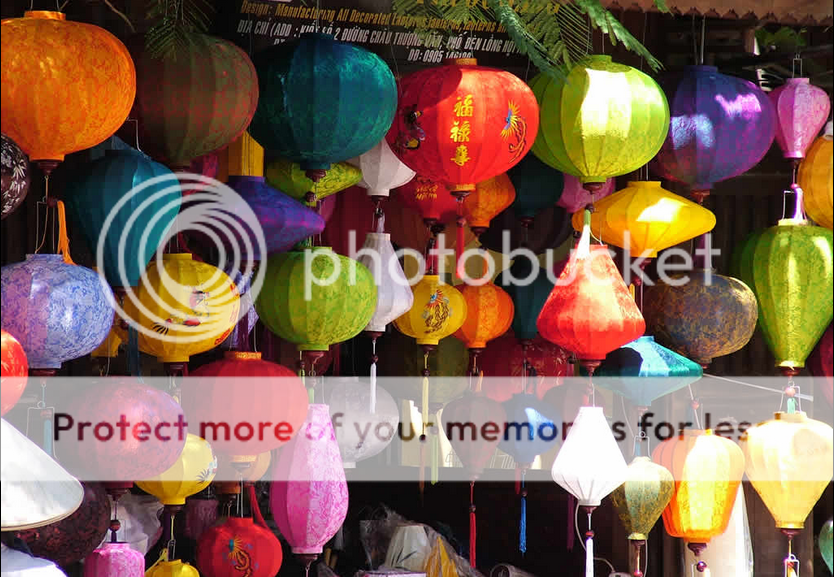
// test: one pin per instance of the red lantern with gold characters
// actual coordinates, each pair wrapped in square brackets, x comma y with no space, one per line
[461,123]
[429,199]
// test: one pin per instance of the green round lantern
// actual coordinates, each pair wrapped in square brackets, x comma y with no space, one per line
[789,268]
[315,297]
[825,544]
[288,177]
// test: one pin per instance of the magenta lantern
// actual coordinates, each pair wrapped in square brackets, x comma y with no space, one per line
[115,560]
[575,196]
[801,112]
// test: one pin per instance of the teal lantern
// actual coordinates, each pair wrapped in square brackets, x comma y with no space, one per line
[528,298]
[94,193]
[322,101]
[537,187]
[643,371]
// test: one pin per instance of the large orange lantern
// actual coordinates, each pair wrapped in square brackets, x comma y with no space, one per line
[461,123]
[65,86]
[489,313]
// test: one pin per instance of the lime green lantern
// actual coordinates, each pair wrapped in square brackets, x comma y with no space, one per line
[288,177]
[315,298]
[602,120]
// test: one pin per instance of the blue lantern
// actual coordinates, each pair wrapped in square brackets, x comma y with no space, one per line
[528,299]
[57,311]
[94,194]
[537,186]
[322,101]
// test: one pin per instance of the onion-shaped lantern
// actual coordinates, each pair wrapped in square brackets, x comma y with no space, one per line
[816,178]
[15,370]
[288,177]
[239,546]
[801,111]
[175,568]
[381,170]
[489,313]
[489,198]
[15,176]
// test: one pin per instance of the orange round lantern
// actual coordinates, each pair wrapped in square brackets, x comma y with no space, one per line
[461,123]
[489,199]
[65,86]
[489,313]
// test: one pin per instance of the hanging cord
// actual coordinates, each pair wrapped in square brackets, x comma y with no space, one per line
[694,405]
[435,450]
[808,398]
[374,359]
[703,37]
[473,529]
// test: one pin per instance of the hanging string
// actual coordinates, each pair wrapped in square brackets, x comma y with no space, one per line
[435,451]
[45,202]
[703,37]
[473,531]
[522,525]
[372,402]
[424,408]
[694,405]
[694,41]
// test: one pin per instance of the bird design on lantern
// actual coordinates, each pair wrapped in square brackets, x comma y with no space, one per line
[436,311]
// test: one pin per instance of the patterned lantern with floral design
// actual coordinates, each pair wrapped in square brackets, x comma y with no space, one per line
[15,176]
[801,111]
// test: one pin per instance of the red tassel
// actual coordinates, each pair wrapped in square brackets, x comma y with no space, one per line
[473,534]
[256,510]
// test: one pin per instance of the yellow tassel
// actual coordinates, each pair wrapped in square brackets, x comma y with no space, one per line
[631,291]
[424,409]
[63,239]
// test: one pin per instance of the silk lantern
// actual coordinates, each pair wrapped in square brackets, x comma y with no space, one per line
[175,568]
[438,311]
[707,469]
[801,111]
[15,176]
[381,170]
[115,560]
[575,197]
[721,126]
[73,538]
[93,195]
[195,103]
[641,499]
[242,390]
[201,514]
[239,546]
[602,120]
[238,339]
[309,495]
[429,199]
[301,81]
[190,474]
[229,474]
[461,123]
[66,86]
[643,371]
[288,177]
[488,199]
[821,365]
[537,187]
[589,480]
[15,369]
[57,311]
[528,285]
[18,564]
[816,178]
[489,313]
[825,543]
[710,316]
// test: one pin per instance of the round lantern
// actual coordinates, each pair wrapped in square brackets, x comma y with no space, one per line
[789,463]
[438,311]
[821,365]
[174,568]
[825,543]
[489,313]
[239,546]
[602,120]
[73,538]
[190,474]
[15,370]
[15,176]
[537,187]
[115,560]
[195,103]
[461,123]
[189,307]
[489,198]
[66,86]
[241,390]
[721,126]
[288,177]
[816,178]
[57,311]
[710,316]
[575,197]
[429,199]
[792,270]
[528,296]
[322,101]
[381,170]
[801,111]
[653,219]
[92,197]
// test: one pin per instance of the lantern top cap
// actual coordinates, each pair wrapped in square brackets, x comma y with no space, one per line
[45,14]
[645,183]
[45,257]
[800,80]
[242,356]
[176,256]
[598,58]
[462,61]
[797,417]
[317,36]
[379,235]
[641,459]
[792,222]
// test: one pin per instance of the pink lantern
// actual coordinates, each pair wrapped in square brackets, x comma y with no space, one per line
[309,493]
[114,560]
[575,197]
[801,111]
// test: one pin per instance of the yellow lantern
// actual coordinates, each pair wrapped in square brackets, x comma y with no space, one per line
[193,309]
[816,177]
[438,311]
[192,473]
[789,462]
[66,86]
[174,568]
[652,217]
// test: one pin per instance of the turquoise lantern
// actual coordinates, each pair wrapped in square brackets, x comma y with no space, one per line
[528,298]
[537,187]
[94,193]
[322,101]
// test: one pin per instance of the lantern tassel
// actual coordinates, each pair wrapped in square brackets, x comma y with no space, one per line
[522,525]
[473,532]
[424,409]
[372,402]
[63,238]
[253,504]
[589,549]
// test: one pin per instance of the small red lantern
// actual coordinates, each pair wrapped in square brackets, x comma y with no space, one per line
[15,369]
[237,547]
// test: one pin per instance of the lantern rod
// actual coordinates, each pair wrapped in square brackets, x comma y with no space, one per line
[703,37]
[694,404]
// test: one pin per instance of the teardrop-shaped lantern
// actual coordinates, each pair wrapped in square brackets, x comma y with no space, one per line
[537,186]
[115,560]
[66,86]
[239,546]
[489,313]
[381,170]
[721,126]
[438,311]
[288,177]
[15,179]
[460,123]
[15,372]
[57,311]
[575,197]
[602,120]
[190,474]
[801,111]
[816,178]
[489,198]
[93,195]
[429,199]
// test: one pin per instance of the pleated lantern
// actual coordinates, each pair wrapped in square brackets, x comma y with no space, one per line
[816,178]
[66,86]
[707,469]
[195,103]
[288,177]
[575,197]
[115,560]
[15,176]
[710,316]
[589,479]
[190,474]
[15,370]
[641,499]
[489,198]
[95,192]
[537,186]
[429,199]
[825,544]
[381,170]
[56,311]
[336,309]
[309,494]
[721,126]
[239,546]
[322,101]
[489,313]
[240,390]
[175,568]
[460,123]
[528,296]
[821,365]
[801,111]
[602,120]
[191,308]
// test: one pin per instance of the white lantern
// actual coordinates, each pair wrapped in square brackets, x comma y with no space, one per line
[394,296]
[18,564]
[381,170]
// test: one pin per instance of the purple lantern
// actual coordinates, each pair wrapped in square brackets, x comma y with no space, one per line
[575,196]
[115,560]
[801,112]
[57,311]
[721,126]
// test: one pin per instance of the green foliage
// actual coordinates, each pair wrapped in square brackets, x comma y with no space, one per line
[175,21]
[784,39]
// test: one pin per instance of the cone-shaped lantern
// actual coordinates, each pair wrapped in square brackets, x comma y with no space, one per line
[816,178]
[801,111]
